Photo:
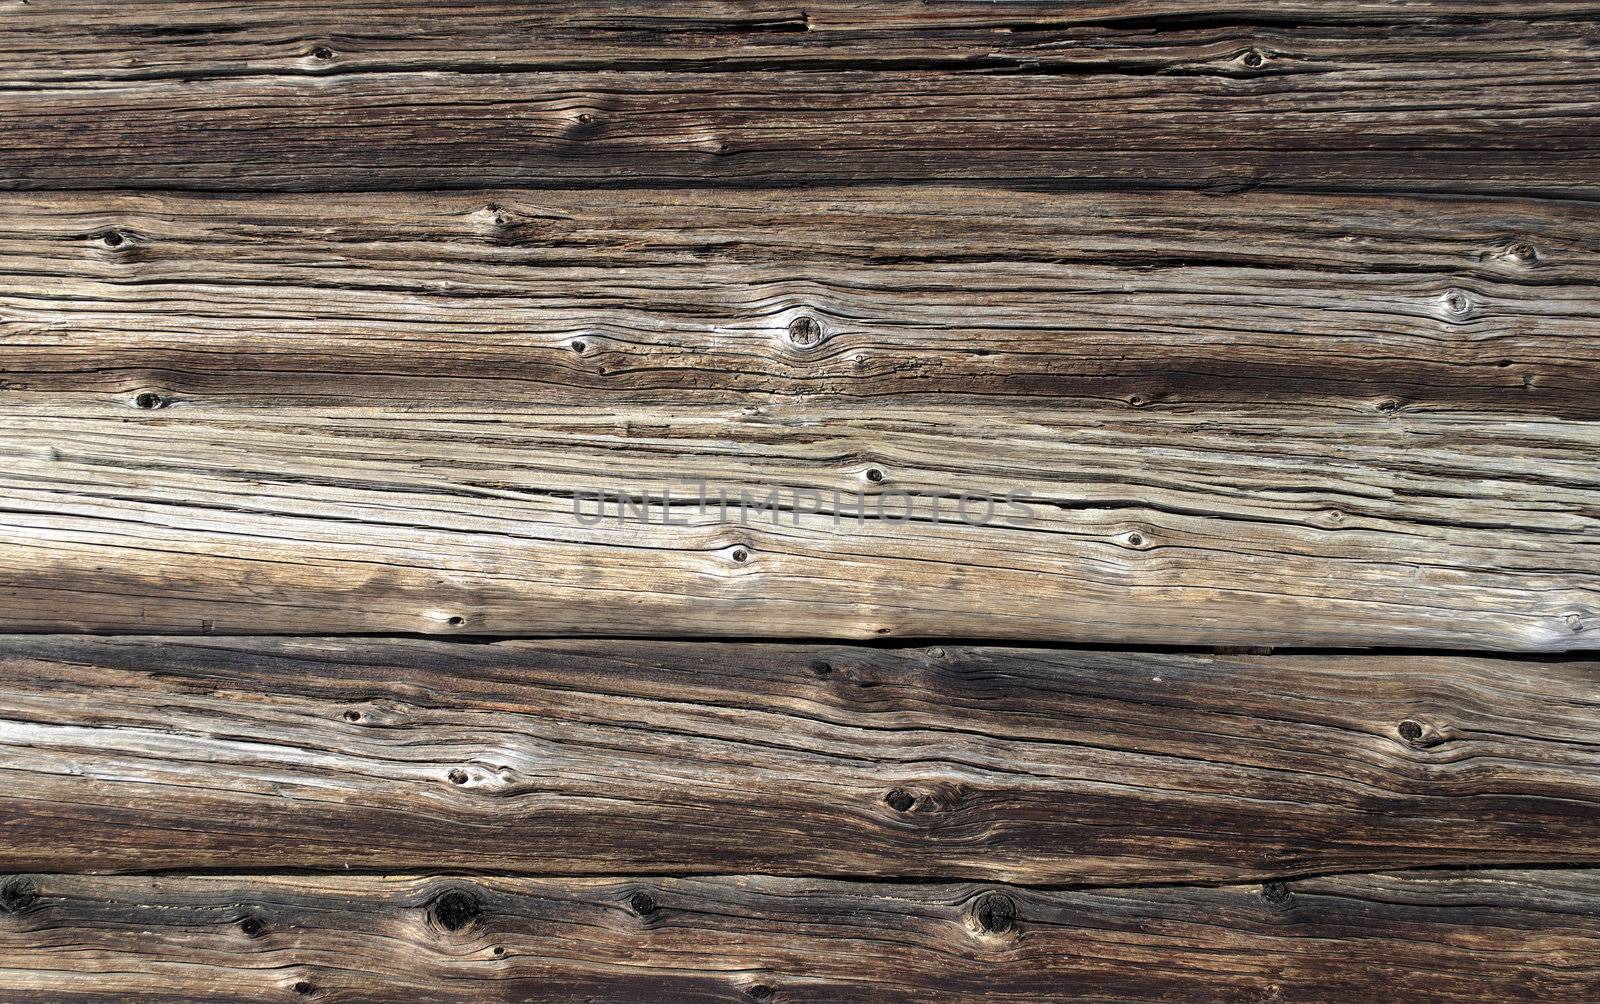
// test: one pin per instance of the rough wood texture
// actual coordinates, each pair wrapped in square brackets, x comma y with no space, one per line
[346,97]
[647,758]
[1492,936]
[1259,325]
[1163,300]
[1282,528]
[112,39]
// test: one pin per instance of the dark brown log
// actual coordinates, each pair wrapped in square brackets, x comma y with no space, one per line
[107,39]
[537,297]
[1022,765]
[224,99]
[1489,936]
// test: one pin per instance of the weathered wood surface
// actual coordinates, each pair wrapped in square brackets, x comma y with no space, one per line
[108,39]
[1160,300]
[296,96]
[112,40]
[1282,528]
[575,757]
[1490,936]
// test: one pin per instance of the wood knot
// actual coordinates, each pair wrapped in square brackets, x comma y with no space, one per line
[1388,406]
[875,475]
[901,800]
[821,667]
[1136,539]
[806,332]
[322,52]
[1253,59]
[455,909]
[457,776]
[643,905]
[1416,734]
[1276,893]
[149,401]
[1574,623]
[113,239]
[1523,253]
[740,555]
[305,988]
[17,894]
[994,913]
[1456,303]
[253,927]
[759,992]
[352,715]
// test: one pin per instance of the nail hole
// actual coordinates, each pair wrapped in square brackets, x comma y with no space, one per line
[900,800]
[457,776]
[643,904]
[148,401]
[456,909]
[253,927]
[994,913]
[1410,731]
[874,475]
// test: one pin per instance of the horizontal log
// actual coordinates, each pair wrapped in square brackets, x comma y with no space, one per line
[1499,106]
[105,39]
[585,757]
[559,296]
[1490,936]
[818,518]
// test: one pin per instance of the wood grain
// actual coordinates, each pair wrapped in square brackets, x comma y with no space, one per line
[1134,526]
[500,298]
[106,39]
[1491,936]
[1023,765]
[227,101]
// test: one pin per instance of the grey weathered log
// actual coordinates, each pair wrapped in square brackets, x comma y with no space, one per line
[1214,527]
[1489,936]
[538,297]
[1023,765]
